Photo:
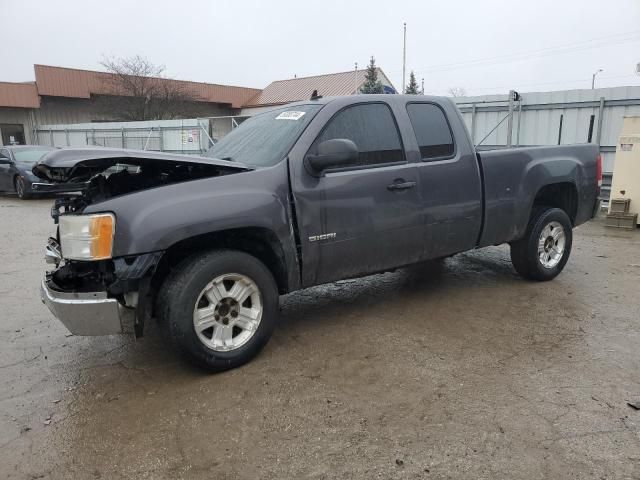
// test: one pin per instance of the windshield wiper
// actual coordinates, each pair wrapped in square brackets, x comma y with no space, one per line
[228,159]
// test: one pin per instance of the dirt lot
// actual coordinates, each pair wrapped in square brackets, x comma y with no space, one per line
[455,371]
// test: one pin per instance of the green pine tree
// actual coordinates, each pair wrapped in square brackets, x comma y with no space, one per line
[371,83]
[412,87]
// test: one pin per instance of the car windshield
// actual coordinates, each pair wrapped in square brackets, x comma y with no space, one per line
[265,139]
[29,156]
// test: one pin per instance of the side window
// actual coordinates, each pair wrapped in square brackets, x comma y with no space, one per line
[432,131]
[372,128]
[4,153]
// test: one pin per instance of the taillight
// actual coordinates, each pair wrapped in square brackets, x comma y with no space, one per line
[599,170]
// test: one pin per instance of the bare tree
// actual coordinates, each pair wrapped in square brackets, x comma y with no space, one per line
[137,89]
[457,92]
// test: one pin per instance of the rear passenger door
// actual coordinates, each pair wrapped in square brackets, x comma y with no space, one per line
[450,183]
[364,218]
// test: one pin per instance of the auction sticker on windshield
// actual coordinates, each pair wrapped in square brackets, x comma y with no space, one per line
[290,115]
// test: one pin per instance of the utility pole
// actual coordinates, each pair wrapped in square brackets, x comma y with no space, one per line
[593,78]
[355,80]
[404,57]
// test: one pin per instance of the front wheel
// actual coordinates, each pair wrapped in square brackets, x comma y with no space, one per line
[21,189]
[544,250]
[219,308]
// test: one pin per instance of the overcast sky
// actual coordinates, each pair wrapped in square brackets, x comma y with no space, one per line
[486,46]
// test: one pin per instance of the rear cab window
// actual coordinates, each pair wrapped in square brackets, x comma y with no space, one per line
[432,131]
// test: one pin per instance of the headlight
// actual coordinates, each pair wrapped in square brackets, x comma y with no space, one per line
[87,237]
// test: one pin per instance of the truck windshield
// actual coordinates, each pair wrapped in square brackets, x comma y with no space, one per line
[265,139]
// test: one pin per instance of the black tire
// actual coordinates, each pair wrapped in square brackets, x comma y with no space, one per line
[524,253]
[21,188]
[181,289]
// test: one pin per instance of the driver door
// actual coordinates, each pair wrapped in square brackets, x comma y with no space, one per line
[365,217]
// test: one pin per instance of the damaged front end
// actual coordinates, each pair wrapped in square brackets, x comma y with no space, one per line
[104,297]
[92,175]
[90,291]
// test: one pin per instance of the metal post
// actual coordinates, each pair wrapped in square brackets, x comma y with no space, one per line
[208,136]
[51,137]
[518,125]
[161,138]
[34,128]
[404,57]
[422,85]
[600,121]
[510,121]
[355,80]
[560,129]
[146,144]
[124,142]
[593,78]
[473,123]
[66,134]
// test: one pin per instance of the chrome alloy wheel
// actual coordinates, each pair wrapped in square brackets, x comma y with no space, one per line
[228,312]
[20,187]
[551,244]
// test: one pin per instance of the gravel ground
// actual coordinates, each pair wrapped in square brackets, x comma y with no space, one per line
[459,370]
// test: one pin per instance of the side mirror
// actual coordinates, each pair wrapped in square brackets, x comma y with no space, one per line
[5,161]
[339,152]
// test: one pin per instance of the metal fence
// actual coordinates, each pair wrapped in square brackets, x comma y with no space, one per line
[189,136]
[221,126]
[552,118]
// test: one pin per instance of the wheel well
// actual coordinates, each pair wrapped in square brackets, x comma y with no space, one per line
[259,242]
[560,195]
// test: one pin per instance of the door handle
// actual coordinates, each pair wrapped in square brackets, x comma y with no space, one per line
[401,186]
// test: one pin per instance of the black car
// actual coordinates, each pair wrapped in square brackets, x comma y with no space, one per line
[16,162]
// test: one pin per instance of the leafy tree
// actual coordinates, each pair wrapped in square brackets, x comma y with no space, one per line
[371,83]
[412,87]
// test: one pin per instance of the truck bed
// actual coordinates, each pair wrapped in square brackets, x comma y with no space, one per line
[513,177]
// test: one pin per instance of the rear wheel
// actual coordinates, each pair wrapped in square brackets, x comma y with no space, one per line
[544,250]
[20,187]
[219,308]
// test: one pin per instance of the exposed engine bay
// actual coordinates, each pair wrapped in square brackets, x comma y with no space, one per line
[93,175]
[126,178]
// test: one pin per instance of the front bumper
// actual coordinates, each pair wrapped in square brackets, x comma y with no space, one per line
[87,313]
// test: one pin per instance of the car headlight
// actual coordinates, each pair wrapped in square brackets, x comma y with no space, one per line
[87,237]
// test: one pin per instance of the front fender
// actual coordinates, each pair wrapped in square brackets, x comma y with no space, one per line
[154,219]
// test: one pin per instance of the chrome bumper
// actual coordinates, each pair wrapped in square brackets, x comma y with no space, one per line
[90,313]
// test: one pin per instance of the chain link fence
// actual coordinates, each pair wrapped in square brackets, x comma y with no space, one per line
[189,136]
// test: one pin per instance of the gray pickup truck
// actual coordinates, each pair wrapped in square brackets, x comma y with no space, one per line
[305,194]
